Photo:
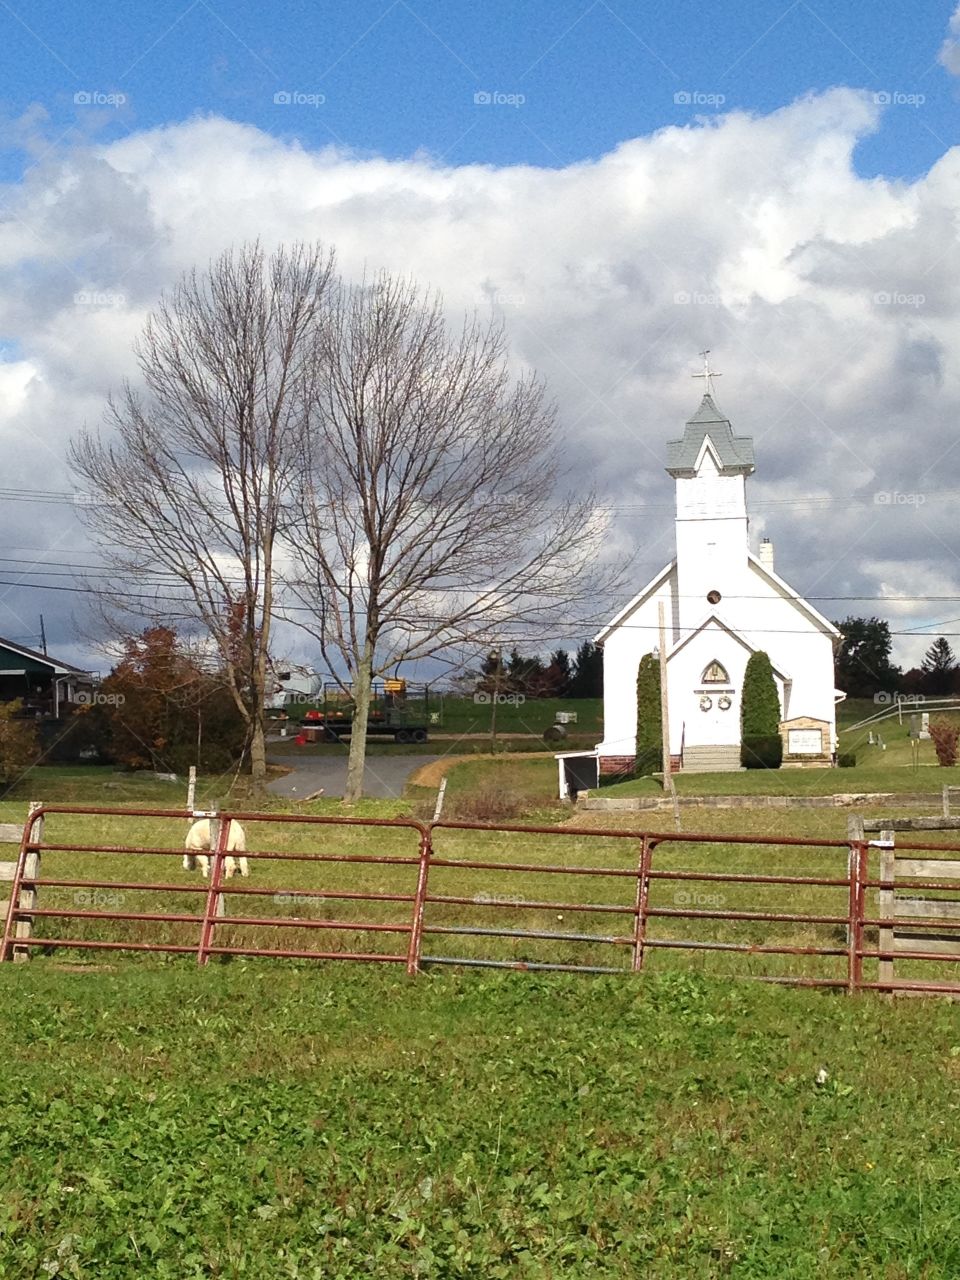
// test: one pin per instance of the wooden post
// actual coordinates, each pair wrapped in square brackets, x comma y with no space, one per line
[192,788]
[668,782]
[887,903]
[641,903]
[31,870]
[219,836]
[214,905]
[946,801]
[440,794]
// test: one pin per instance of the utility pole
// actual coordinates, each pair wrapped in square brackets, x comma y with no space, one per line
[43,637]
[668,783]
[496,659]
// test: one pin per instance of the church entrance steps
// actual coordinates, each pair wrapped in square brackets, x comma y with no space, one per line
[715,759]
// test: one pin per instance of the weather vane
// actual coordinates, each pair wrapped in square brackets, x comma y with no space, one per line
[708,373]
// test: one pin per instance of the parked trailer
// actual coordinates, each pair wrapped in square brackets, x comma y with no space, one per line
[340,730]
[398,710]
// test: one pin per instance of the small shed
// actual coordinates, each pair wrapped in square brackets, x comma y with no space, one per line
[579,771]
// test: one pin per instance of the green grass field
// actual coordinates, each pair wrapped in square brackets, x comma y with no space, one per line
[893,767]
[311,904]
[529,716]
[319,1119]
[342,1123]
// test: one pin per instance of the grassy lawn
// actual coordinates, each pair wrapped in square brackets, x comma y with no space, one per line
[292,1119]
[463,715]
[527,782]
[531,716]
[99,784]
[287,748]
[796,782]
[535,781]
[236,1122]
[887,768]
[311,903]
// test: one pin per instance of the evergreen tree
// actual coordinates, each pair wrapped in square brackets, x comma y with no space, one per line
[525,674]
[760,743]
[493,677]
[939,668]
[759,703]
[563,669]
[649,717]
[587,679]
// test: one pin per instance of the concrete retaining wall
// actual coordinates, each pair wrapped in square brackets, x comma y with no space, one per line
[843,800]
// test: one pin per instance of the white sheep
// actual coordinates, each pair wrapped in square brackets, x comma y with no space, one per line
[198,838]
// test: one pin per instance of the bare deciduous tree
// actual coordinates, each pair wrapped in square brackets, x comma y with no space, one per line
[194,482]
[429,511]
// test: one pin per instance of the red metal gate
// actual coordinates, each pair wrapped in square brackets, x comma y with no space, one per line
[399,891]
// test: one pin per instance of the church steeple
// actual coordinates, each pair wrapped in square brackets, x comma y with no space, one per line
[733,454]
[710,466]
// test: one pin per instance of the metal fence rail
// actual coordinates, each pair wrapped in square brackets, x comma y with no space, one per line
[817,928]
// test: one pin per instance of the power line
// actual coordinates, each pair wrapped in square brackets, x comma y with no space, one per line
[426,619]
[78,499]
[163,577]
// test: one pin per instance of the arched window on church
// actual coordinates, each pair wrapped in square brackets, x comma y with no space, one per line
[715,673]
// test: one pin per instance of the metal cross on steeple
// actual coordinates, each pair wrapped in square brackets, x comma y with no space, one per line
[707,374]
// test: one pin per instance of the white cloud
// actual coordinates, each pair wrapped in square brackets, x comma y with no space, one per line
[949,55]
[830,301]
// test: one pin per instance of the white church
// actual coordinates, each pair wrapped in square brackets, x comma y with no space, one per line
[722,602]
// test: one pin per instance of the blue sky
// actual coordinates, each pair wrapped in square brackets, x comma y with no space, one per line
[775,180]
[397,77]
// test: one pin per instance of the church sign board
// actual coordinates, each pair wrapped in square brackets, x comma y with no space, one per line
[804,742]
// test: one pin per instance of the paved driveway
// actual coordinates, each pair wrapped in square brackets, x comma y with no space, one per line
[384,776]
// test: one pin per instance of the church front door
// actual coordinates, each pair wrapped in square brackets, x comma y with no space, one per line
[718,722]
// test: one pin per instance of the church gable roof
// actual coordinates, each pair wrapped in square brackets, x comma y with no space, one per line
[734,453]
[785,590]
[714,620]
[635,603]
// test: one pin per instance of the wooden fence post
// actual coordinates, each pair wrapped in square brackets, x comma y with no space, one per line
[31,870]
[215,905]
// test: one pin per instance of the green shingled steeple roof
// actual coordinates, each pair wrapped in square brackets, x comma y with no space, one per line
[735,452]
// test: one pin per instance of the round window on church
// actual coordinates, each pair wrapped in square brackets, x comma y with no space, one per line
[713,597]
